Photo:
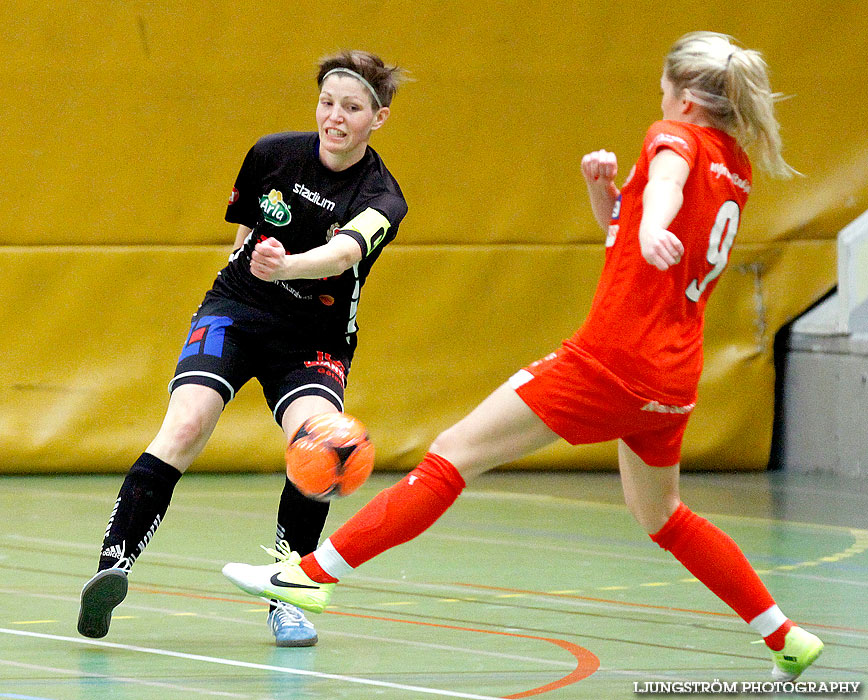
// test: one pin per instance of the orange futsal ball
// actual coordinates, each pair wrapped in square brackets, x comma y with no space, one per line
[329,456]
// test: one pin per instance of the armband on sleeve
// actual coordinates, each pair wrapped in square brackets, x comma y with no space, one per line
[368,229]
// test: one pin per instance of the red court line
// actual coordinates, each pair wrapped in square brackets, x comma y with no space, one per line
[586,662]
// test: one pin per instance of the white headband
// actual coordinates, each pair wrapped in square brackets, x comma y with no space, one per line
[357,77]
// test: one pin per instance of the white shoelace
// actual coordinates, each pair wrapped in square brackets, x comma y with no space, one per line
[286,614]
[283,553]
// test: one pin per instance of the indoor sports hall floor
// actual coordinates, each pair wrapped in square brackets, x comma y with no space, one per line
[532,585]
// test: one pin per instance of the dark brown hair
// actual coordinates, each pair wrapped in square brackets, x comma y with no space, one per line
[384,79]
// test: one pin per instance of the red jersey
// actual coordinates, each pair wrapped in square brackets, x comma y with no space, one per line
[646,325]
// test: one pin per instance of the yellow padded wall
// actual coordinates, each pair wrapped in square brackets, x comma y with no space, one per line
[84,377]
[124,125]
[127,122]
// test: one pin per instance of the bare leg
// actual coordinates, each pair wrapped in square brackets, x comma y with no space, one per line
[706,551]
[500,429]
[301,409]
[190,420]
[651,493]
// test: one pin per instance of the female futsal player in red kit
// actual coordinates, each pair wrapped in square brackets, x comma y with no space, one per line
[631,371]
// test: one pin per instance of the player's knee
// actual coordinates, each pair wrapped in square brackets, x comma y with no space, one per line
[440,446]
[646,522]
[185,433]
[651,516]
[450,445]
[468,458]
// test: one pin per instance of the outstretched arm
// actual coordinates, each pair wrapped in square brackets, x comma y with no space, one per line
[270,261]
[661,201]
[599,169]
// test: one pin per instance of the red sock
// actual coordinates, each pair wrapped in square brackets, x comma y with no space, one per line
[716,560]
[311,567]
[777,638]
[394,516]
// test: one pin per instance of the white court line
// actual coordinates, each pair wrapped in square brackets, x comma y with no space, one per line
[536,546]
[116,679]
[574,604]
[466,651]
[247,664]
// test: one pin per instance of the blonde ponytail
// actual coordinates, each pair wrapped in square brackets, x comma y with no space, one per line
[731,84]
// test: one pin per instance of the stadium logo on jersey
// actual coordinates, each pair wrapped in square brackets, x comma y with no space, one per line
[314,197]
[274,209]
[332,230]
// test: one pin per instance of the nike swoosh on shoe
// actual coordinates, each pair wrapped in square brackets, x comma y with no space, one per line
[283,584]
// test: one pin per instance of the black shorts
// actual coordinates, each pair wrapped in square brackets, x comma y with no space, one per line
[230,342]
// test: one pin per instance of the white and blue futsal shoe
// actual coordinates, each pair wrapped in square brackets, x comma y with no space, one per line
[290,627]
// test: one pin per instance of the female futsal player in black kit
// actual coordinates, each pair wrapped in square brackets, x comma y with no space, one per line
[314,211]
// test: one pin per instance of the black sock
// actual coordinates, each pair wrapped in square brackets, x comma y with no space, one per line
[300,520]
[140,507]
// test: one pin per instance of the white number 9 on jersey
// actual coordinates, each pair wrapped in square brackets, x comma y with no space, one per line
[718,246]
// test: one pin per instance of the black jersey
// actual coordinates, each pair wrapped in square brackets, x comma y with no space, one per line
[284,191]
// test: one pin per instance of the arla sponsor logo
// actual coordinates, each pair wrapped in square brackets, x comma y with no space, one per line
[274,209]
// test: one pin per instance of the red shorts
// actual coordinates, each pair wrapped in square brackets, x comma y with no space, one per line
[583,402]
